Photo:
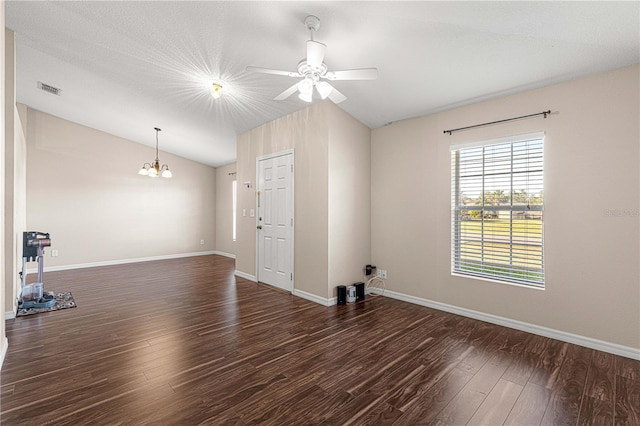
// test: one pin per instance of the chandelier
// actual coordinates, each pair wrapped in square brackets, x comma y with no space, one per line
[154,169]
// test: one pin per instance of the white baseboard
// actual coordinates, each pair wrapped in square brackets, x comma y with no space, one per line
[12,314]
[564,336]
[120,261]
[3,351]
[222,253]
[246,276]
[313,298]
[299,293]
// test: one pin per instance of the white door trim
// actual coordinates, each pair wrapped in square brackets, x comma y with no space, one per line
[293,201]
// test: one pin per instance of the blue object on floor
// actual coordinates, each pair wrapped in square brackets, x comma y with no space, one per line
[46,301]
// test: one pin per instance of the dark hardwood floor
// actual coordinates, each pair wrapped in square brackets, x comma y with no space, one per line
[184,342]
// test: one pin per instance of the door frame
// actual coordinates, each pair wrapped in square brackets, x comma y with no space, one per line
[293,208]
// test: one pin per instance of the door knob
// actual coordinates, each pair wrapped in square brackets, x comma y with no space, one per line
[259,226]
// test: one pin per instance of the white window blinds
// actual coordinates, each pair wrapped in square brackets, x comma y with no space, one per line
[497,209]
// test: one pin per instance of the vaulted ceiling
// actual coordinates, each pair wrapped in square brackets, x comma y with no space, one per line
[127,67]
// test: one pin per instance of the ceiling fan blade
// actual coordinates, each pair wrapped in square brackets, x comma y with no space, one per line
[315,53]
[271,71]
[358,74]
[284,95]
[335,96]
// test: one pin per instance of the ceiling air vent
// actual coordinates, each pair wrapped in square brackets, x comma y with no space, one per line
[49,89]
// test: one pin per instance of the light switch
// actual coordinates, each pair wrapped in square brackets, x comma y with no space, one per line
[244,212]
[252,213]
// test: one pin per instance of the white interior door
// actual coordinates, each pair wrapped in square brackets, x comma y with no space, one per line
[275,221]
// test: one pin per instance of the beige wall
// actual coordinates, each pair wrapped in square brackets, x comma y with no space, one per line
[16,217]
[224,209]
[591,165]
[83,188]
[16,183]
[3,341]
[306,132]
[326,141]
[9,172]
[311,195]
[349,195]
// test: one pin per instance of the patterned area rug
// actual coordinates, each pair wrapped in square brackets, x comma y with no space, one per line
[63,301]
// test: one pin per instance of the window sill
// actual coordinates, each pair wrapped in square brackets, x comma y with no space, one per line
[474,277]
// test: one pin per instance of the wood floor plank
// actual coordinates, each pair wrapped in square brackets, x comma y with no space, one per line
[520,370]
[627,407]
[547,369]
[530,406]
[601,377]
[383,414]
[595,411]
[428,373]
[498,404]
[356,409]
[628,368]
[564,406]
[464,405]
[185,342]
[510,341]
[316,411]
[423,409]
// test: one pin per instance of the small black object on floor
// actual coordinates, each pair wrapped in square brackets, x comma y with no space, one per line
[63,301]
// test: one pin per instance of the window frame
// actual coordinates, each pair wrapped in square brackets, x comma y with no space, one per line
[463,262]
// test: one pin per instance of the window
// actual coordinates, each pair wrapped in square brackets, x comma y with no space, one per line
[234,192]
[497,210]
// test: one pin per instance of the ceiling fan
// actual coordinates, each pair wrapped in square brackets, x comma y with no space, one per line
[313,71]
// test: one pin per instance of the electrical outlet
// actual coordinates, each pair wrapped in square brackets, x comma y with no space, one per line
[54,253]
[201,242]
[382,273]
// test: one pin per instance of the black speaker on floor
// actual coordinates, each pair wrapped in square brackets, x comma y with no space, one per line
[342,295]
[359,291]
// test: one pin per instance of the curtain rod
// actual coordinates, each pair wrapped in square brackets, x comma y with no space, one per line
[545,113]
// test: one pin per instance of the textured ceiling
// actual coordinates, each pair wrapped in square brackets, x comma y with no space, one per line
[126,67]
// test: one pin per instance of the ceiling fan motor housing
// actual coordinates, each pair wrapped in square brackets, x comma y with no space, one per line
[312,23]
[307,70]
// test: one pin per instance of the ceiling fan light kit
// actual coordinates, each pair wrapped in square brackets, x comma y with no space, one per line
[313,70]
[324,89]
